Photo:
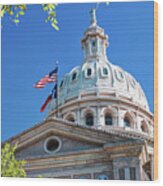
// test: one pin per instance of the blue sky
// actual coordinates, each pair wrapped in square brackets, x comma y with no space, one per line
[30,50]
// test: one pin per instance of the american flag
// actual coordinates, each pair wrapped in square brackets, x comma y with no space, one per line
[48,78]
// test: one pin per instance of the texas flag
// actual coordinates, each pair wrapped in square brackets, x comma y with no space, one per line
[51,96]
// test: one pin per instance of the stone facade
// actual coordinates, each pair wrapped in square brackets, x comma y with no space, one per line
[84,153]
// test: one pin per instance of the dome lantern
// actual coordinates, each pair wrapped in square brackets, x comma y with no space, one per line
[95,42]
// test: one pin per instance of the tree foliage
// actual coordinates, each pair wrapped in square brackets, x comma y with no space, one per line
[51,10]
[10,167]
[15,11]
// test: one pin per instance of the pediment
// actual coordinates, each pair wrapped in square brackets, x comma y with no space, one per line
[43,147]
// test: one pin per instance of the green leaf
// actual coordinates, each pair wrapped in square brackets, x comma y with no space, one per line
[45,8]
[11,12]
[50,6]
[16,21]
[2,12]
[17,15]
[21,13]
[23,7]
[55,26]
[10,167]
[55,21]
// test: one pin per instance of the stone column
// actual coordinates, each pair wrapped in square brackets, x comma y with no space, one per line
[98,116]
[119,119]
[78,116]
[127,174]
[90,48]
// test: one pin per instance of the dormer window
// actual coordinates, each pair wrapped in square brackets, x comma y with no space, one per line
[89,72]
[105,71]
[132,82]
[74,75]
[119,75]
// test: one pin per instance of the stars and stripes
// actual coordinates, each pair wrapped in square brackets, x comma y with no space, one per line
[48,78]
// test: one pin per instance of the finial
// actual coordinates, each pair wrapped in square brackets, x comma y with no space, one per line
[93,16]
[57,62]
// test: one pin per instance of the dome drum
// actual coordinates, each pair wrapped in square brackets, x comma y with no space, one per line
[98,108]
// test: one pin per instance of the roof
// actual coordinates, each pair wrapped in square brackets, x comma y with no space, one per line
[98,136]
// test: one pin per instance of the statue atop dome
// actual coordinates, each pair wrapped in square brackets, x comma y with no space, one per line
[93,17]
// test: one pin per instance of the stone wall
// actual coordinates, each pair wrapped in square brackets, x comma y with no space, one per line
[67,145]
[89,171]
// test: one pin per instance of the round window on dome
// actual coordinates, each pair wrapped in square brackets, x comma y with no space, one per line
[52,145]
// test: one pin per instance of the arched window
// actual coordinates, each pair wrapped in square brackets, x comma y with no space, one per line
[70,118]
[89,119]
[127,122]
[94,46]
[144,127]
[93,43]
[108,119]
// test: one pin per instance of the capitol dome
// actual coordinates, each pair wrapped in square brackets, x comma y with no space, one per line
[100,94]
[101,76]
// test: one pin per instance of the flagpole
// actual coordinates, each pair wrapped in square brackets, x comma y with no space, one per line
[57,91]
